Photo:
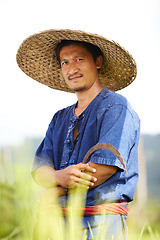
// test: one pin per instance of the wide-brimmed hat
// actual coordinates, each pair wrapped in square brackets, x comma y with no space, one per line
[37,58]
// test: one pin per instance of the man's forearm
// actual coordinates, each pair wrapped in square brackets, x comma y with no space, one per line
[45,177]
[68,177]
[103,172]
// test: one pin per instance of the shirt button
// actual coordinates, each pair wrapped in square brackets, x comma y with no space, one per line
[68,140]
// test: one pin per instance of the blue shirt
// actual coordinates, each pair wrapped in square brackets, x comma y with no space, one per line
[108,118]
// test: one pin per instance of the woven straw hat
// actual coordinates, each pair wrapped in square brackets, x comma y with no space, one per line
[36,57]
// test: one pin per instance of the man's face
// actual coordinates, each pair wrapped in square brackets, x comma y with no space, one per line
[78,67]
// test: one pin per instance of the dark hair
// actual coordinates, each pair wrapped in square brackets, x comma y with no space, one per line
[94,50]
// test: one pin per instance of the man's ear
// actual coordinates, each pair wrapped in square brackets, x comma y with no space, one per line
[99,61]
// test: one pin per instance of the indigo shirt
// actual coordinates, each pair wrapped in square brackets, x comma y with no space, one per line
[108,118]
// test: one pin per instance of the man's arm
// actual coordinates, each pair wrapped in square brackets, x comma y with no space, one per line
[51,179]
[69,177]
[102,173]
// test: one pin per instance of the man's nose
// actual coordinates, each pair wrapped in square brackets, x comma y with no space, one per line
[73,69]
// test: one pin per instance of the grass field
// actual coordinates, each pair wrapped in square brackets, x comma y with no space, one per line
[18,213]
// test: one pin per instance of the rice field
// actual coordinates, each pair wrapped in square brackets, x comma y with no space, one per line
[18,207]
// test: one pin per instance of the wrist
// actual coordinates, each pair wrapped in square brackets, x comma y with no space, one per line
[65,190]
[58,178]
[62,191]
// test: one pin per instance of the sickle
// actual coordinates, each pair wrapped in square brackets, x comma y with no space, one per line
[108,147]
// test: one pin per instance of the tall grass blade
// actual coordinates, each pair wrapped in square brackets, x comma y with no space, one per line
[140,236]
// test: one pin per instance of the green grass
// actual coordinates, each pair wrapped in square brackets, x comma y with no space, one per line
[18,207]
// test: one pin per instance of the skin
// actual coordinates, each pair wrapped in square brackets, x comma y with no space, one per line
[80,72]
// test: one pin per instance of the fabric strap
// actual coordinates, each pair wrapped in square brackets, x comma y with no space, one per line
[107,208]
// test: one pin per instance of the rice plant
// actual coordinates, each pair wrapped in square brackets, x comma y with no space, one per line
[18,208]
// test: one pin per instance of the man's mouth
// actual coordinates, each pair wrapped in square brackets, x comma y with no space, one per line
[75,76]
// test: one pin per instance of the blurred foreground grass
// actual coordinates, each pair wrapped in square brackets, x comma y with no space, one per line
[18,212]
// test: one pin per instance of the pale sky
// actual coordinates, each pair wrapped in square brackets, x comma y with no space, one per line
[28,106]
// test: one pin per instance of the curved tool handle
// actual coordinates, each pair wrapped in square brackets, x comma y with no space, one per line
[108,147]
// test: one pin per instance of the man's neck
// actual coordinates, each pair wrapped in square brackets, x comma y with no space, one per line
[85,98]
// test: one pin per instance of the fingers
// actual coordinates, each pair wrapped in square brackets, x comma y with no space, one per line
[75,181]
[86,167]
[82,174]
[86,176]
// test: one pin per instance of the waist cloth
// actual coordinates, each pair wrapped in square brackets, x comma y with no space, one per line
[121,208]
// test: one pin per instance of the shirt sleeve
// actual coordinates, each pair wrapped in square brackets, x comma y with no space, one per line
[44,153]
[116,128]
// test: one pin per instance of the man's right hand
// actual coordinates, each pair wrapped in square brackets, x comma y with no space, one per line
[68,177]
[74,175]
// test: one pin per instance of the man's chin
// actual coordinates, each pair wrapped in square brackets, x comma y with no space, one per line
[79,89]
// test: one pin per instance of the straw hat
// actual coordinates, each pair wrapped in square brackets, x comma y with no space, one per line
[36,57]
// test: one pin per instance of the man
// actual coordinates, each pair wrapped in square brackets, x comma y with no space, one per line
[91,66]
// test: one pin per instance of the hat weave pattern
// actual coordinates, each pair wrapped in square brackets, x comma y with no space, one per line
[36,58]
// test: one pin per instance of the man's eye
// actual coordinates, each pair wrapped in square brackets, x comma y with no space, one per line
[64,63]
[79,59]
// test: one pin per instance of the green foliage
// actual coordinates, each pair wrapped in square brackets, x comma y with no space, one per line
[18,214]
[151,146]
[18,202]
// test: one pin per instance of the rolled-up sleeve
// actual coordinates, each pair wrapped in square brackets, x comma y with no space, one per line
[118,129]
[44,154]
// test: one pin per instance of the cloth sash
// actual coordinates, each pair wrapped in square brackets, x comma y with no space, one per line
[106,208]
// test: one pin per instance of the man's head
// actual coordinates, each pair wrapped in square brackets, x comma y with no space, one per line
[93,49]
[37,58]
[79,64]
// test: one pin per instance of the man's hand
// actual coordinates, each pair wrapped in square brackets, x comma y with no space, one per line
[74,175]
[69,177]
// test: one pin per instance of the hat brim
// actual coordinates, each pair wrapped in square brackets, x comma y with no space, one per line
[36,58]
